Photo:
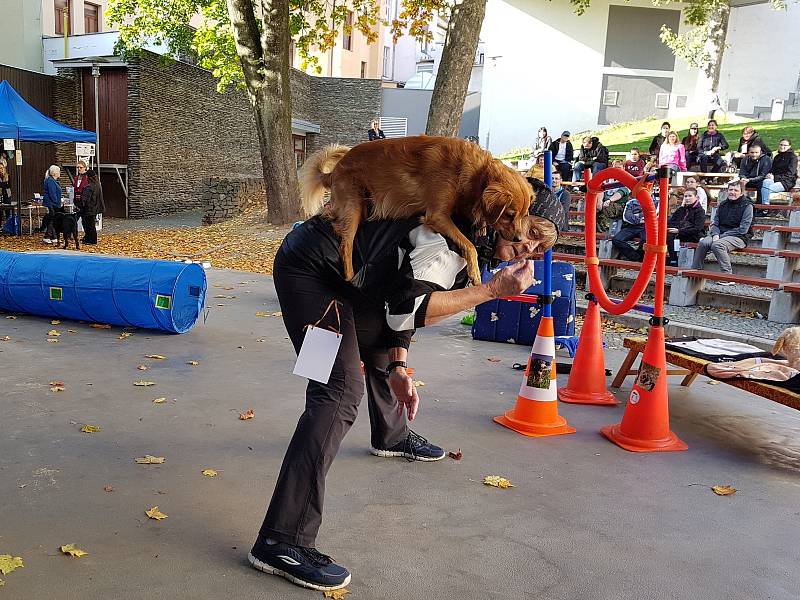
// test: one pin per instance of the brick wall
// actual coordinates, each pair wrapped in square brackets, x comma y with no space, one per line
[67,109]
[345,109]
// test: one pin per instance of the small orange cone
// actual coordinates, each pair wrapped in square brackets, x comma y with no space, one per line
[645,424]
[587,379]
[536,411]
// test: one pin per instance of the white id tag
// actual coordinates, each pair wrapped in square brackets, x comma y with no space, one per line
[676,245]
[317,354]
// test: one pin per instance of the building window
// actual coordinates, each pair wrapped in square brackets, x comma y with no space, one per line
[662,101]
[347,41]
[62,9]
[299,142]
[610,97]
[91,17]
[363,70]
[733,104]
[387,60]
[680,101]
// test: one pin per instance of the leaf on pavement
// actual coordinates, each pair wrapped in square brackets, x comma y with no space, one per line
[124,335]
[713,382]
[100,326]
[143,383]
[261,313]
[5,338]
[494,359]
[723,490]
[210,473]
[156,356]
[419,383]
[9,563]
[456,455]
[57,386]
[192,362]
[52,340]
[497,481]
[11,318]
[71,550]
[53,333]
[148,459]
[159,400]
[248,414]
[277,314]
[90,429]
[108,488]
[155,514]
[336,594]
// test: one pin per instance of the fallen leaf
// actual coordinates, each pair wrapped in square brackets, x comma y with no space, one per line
[90,429]
[108,488]
[277,314]
[723,490]
[55,322]
[9,563]
[147,459]
[261,340]
[124,335]
[419,383]
[155,514]
[142,367]
[713,382]
[248,414]
[159,400]
[261,313]
[52,341]
[210,473]
[57,386]
[155,356]
[497,481]
[220,305]
[100,326]
[223,296]
[11,318]
[53,333]
[142,383]
[456,455]
[192,362]
[71,550]
[71,331]
[336,594]
[5,338]
[494,359]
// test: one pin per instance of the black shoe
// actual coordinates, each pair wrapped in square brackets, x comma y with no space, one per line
[414,447]
[305,567]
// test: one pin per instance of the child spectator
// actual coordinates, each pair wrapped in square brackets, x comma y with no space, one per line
[690,144]
[687,223]
[672,153]
[635,165]
[691,183]
[632,228]
[611,206]
[783,174]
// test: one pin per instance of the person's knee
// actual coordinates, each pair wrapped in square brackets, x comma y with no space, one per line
[719,246]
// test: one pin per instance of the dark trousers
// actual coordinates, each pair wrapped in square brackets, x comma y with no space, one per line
[565,169]
[89,229]
[625,235]
[295,511]
[710,164]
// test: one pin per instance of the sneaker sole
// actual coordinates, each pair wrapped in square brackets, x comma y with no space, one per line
[265,568]
[395,454]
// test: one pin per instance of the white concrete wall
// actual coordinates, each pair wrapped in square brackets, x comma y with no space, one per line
[20,34]
[762,61]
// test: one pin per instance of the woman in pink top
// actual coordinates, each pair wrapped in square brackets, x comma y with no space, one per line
[672,153]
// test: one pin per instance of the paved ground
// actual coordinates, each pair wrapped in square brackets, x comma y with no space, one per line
[585,520]
[191,218]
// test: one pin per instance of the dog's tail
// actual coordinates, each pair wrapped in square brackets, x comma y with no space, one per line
[779,343]
[315,176]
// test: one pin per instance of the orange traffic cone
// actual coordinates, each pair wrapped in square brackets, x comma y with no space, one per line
[587,379]
[645,424]
[536,411]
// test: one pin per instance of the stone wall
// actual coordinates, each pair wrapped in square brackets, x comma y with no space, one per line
[344,110]
[224,198]
[67,109]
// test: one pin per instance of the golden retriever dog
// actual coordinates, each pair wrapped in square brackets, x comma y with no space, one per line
[398,178]
[788,344]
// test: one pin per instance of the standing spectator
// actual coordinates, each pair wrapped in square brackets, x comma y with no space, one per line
[91,205]
[691,183]
[635,165]
[783,174]
[632,228]
[52,199]
[711,142]
[543,142]
[375,132]
[672,153]
[731,229]
[5,186]
[754,168]
[564,196]
[749,138]
[80,181]
[687,223]
[690,144]
[563,155]
[714,105]
[655,145]
[593,155]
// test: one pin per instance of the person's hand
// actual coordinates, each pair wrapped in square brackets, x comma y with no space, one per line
[512,280]
[402,387]
[769,176]
[744,181]
[714,238]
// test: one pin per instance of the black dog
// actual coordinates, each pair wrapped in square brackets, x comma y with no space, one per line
[66,223]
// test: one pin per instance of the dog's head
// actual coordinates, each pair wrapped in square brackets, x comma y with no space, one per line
[505,202]
[788,344]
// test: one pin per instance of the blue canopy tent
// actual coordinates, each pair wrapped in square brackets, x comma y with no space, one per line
[23,123]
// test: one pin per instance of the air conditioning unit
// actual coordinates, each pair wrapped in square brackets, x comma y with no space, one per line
[394,127]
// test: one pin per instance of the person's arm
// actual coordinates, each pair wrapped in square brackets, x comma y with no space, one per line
[682,157]
[381,134]
[714,229]
[723,143]
[654,147]
[758,180]
[695,225]
[744,225]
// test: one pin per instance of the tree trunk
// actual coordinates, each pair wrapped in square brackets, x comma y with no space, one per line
[715,47]
[265,62]
[455,68]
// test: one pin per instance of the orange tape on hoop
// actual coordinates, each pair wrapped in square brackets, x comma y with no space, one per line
[653,249]
[591,260]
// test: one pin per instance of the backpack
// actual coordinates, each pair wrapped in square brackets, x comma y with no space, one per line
[633,213]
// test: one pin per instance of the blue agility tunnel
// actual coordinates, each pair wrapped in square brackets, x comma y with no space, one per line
[131,292]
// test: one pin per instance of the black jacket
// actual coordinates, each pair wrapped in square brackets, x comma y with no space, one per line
[754,139]
[690,143]
[784,169]
[597,153]
[690,221]
[655,145]
[91,200]
[709,141]
[755,170]
[569,153]
[733,218]
[375,136]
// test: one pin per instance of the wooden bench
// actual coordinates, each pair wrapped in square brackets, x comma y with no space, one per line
[691,366]
[781,264]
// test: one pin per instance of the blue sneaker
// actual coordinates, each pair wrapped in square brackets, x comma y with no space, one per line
[305,567]
[414,447]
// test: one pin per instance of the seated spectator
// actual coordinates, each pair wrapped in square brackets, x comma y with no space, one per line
[709,146]
[687,223]
[593,155]
[731,229]
[754,168]
[635,165]
[749,138]
[563,155]
[611,205]
[564,196]
[783,175]
[375,132]
[655,145]
[543,142]
[537,170]
[672,153]
[690,144]
[691,183]
[632,228]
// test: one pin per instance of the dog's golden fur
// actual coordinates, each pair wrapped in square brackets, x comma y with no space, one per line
[788,344]
[398,178]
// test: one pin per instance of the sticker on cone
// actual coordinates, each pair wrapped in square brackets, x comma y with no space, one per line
[536,411]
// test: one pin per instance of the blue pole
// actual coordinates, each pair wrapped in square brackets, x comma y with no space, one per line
[547,309]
